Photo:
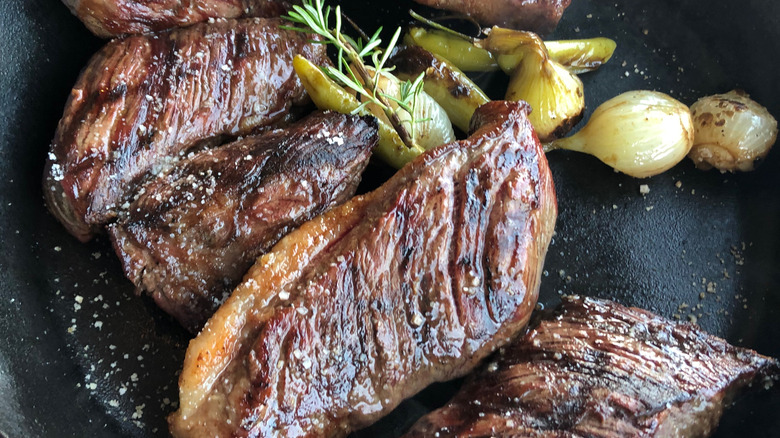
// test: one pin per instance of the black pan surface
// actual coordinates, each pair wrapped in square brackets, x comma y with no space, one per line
[81,356]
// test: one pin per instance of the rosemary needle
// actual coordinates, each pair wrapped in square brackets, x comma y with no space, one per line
[351,70]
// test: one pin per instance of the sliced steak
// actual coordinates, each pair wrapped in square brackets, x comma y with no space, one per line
[599,369]
[540,16]
[144,100]
[369,303]
[194,231]
[107,18]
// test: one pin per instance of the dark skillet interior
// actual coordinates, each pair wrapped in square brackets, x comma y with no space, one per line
[80,355]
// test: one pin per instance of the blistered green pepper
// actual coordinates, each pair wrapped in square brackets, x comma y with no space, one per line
[328,95]
[445,83]
[461,53]
[579,56]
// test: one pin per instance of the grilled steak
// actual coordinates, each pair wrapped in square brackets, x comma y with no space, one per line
[599,369]
[194,231]
[369,303]
[541,16]
[106,18]
[144,100]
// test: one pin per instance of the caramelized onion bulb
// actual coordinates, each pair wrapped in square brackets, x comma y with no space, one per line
[639,133]
[732,132]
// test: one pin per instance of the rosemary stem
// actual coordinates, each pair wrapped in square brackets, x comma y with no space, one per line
[313,16]
[368,80]
[445,29]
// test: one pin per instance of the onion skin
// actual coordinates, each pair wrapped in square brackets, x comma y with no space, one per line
[433,129]
[732,132]
[555,94]
[640,133]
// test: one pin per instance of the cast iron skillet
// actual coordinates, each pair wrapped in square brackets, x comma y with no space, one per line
[80,355]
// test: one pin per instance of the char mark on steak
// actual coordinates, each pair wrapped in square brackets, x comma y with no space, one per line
[540,16]
[143,101]
[194,231]
[109,18]
[413,283]
[599,369]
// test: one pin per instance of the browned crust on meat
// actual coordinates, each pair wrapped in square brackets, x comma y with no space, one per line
[144,100]
[598,369]
[540,16]
[193,232]
[364,306]
[109,18]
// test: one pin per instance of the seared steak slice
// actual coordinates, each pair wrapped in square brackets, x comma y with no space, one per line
[599,369]
[194,231]
[540,16]
[143,100]
[367,304]
[107,18]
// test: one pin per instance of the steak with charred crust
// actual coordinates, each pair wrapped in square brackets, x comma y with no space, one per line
[193,232]
[540,16]
[143,101]
[107,18]
[369,303]
[598,369]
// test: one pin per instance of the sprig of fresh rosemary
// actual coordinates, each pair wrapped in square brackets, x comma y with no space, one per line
[351,70]
[408,99]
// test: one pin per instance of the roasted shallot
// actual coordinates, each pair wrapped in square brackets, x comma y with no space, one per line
[732,132]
